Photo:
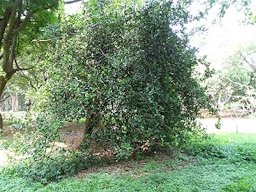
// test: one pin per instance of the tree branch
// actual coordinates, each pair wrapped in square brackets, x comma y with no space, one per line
[72,1]
[18,68]
[3,24]
[31,13]
[8,40]
[4,97]
[29,80]
[246,60]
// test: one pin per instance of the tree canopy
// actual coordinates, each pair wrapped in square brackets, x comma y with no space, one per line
[129,72]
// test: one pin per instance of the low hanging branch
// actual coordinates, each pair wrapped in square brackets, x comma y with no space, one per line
[18,68]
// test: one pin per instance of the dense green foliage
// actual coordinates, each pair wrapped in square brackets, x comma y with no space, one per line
[127,69]
[130,72]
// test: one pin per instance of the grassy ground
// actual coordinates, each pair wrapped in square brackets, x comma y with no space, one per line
[222,163]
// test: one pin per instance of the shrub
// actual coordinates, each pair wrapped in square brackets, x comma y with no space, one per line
[130,72]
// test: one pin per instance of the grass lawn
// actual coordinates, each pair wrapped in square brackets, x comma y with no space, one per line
[222,163]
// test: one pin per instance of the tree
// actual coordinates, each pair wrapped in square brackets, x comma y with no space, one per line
[233,86]
[129,71]
[18,17]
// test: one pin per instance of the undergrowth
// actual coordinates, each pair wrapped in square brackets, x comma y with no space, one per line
[220,163]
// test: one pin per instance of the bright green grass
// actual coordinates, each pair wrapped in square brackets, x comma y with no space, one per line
[234,171]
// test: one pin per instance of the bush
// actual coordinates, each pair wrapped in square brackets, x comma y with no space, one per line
[130,73]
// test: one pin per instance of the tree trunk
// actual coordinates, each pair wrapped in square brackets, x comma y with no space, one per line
[12,21]
[2,85]
[15,102]
[93,121]
[1,124]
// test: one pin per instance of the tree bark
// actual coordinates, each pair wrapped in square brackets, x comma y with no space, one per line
[15,102]
[2,85]
[1,124]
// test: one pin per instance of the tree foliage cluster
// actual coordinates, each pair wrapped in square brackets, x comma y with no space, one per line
[129,71]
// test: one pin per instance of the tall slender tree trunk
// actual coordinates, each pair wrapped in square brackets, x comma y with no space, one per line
[2,86]
[15,102]
[1,124]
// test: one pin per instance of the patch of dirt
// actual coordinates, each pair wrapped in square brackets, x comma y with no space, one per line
[9,131]
[72,134]
[135,169]
[113,168]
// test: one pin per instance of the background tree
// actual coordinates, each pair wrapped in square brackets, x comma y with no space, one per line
[233,86]
[20,21]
